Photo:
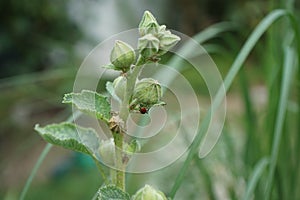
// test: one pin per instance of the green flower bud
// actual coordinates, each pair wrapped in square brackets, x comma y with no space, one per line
[147,24]
[168,40]
[119,85]
[162,29]
[122,56]
[147,92]
[107,151]
[149,193]
[148,45]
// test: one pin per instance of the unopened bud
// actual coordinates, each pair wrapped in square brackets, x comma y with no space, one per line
[148,45]
[147,24]
[119,85]
[168,40]
[149,193]
[122,56]
[107,151]
[147,92]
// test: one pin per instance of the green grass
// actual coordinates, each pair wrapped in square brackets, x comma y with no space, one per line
[232,74]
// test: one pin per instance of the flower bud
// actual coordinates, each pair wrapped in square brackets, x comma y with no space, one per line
[147,24]
[122,56]
[147,92]
[148,45]
[168,40]
[119,85]
[149,193]
[162,29]
[107,151]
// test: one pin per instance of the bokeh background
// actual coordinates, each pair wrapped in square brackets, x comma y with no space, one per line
[42,44]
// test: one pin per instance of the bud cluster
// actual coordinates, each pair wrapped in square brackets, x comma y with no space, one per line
[155,39]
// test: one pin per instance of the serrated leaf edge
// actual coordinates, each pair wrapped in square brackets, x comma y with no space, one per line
[38,128]
[112,187]
[98,115]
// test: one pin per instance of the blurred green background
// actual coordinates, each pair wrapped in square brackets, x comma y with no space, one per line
[42,44]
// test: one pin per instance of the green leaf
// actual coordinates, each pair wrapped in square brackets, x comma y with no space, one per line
[254,178]
[70,136]
[287,75]
[90,102]
[160,103]
[133,147]
[112,192]
[110,89]
[110,66]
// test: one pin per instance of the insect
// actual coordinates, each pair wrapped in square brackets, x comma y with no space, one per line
[143,110]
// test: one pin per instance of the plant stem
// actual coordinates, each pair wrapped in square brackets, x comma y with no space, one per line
[131,79]
[120,167]
[124,113]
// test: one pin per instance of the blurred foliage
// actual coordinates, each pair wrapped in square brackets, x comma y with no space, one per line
[37,40]
[191,16]
[34,35]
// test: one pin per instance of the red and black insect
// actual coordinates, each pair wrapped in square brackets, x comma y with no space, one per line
[143,110]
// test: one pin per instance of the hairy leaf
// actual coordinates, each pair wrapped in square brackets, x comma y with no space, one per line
[111,192]
[90,102]
[70,136]
[111,90]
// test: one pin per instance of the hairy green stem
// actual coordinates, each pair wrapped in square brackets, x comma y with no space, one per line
[120,167]
[131,79]
[124,113]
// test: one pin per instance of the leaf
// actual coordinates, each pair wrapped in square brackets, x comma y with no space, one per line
[112,192]
[110,66]
[70,136]
[287,75]
[160,103]
[111,90]
[254,178]
[133,147]
[90,102]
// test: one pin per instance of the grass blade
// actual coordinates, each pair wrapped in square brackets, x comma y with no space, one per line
[203,36]
[206,178]
[40,161]
[177,61]
[257,172]
[251,121]
[35,169]
[240,59]
[285,86]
